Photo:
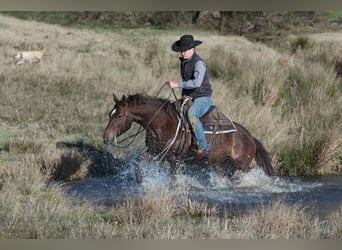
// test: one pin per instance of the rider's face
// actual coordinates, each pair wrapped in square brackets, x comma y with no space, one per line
[188,53]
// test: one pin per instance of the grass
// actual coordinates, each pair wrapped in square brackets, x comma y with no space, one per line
[289,98]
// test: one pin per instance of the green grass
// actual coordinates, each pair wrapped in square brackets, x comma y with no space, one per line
[303,159]
[337,14]
[5,135]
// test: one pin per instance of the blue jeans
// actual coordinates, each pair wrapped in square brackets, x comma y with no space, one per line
[199,107]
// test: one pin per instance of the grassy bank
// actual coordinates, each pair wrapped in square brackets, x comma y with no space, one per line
[289,98]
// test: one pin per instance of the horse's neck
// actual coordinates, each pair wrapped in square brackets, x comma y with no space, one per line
[160,123]
[149,115]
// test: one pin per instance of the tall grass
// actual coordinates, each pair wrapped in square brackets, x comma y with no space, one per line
[290,100]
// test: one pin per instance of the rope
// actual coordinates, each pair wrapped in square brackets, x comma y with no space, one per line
[162,154]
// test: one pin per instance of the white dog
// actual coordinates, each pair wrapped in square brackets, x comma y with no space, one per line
[28,56]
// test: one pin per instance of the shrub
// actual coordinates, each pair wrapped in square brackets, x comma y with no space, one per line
[300,43]
[301,159]
[223,65]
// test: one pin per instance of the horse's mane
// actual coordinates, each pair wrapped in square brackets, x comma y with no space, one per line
[137,99]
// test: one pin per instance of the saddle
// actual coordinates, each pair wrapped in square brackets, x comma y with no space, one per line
[213,121]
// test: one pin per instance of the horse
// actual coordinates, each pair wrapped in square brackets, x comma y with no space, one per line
[169,134]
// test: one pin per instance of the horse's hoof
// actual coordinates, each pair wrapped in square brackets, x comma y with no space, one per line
[172,185]
[138,179]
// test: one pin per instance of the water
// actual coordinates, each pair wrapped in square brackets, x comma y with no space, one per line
[236,195]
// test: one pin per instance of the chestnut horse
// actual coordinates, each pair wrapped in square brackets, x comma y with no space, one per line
[171,137]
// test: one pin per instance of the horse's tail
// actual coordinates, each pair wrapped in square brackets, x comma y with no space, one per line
[263,159]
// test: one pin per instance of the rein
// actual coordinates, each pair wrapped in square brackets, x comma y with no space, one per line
[162,154]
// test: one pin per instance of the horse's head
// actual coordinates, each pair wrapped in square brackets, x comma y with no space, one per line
[120,120]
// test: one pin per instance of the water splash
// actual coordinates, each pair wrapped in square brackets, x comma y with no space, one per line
[244,190]
[257,180]
[205,179]
[154,176]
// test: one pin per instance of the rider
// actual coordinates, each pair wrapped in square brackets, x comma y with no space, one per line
[196,84]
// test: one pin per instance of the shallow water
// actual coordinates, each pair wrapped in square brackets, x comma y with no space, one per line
[236,195]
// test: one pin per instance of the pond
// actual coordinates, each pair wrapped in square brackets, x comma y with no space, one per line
[243,191]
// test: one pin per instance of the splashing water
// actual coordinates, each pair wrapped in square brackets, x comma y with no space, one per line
[244,190]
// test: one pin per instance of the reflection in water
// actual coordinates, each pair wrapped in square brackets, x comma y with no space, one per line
[243,191]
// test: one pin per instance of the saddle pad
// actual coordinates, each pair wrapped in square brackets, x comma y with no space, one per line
[218,123]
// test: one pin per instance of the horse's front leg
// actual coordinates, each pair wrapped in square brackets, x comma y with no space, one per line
[137,172]
[145,155]
[173,169]
[174,166]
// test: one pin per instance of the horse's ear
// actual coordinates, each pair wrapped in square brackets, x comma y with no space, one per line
[123,100]
[116,100]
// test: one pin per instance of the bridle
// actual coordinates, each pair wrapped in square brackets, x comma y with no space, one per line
[181,122]
[141,129]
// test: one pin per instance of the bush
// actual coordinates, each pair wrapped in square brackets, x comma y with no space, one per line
[300,43]
[223,65]
[301,159]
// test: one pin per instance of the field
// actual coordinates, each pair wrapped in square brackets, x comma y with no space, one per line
[288,97]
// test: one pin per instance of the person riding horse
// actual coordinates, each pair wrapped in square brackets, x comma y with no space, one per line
[230,150]
[195,84]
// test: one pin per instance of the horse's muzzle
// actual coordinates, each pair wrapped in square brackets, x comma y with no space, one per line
[109,139]
[106,140]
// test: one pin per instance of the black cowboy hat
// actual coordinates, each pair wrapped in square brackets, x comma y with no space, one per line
[184,43]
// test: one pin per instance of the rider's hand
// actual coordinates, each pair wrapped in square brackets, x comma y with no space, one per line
[173,84]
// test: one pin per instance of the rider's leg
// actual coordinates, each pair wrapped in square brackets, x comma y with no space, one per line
[199,107]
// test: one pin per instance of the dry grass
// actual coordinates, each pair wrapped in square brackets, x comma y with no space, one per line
[277,221]
[290,100]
